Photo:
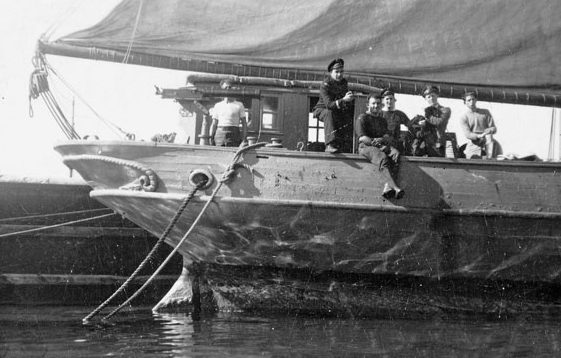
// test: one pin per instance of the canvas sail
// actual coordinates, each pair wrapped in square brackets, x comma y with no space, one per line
[509,50]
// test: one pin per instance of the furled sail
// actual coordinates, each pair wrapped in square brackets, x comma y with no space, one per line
[508,50]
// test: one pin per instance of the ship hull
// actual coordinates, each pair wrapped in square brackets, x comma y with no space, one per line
[460,220]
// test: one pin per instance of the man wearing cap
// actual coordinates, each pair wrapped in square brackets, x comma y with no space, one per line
[227,115]
[374,143]
[395,118]
[335,109]
[478,127]
[435,123]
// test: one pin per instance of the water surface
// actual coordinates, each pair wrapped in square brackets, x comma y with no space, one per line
[58,332]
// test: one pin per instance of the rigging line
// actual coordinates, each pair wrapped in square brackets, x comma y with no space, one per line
[54,226]
[107,122]
[51,215]
[63,117]
[59,117]
[129,47]
[55,116]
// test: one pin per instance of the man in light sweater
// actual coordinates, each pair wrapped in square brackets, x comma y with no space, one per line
[478,127]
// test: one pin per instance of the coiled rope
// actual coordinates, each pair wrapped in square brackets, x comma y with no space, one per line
[39,87]
[226,176]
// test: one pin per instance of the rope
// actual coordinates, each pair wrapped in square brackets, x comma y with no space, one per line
[149,256]
[112,126]
[226,176]
[148,181]
[129,47]
[54,226]
[50,215]
[39,86]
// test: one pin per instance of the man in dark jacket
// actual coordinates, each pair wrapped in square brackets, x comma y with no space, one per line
[436,120]
[375,144]
[395,119]
[335,109]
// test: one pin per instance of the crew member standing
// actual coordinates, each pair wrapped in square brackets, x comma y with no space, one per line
[227,115]
[335,109]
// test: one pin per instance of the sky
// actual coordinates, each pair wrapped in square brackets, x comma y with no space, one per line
[124,94]
[120,94]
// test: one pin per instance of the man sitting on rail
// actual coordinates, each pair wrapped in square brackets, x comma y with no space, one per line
[375,144]
[478,127]
[335,109]
[395,118]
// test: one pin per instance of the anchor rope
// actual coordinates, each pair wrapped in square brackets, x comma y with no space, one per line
[51,215]
[150,255]
[54,226]
[226,176]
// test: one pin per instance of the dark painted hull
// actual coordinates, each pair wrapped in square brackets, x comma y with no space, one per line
[484,220]
[79,264]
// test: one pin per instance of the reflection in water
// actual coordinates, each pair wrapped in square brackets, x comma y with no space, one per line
[57,332]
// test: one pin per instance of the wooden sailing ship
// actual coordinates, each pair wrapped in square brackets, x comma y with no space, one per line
[296,230]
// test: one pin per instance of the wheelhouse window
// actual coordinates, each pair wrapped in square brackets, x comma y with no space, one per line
[270,120]
[316,132]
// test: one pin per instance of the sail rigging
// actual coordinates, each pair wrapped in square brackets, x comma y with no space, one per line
[509,51]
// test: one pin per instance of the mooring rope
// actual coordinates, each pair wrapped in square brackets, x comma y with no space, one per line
[226,176]
[54,226]
[150,254]
[51,215]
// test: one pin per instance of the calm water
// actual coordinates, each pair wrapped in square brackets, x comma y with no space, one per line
[58,332]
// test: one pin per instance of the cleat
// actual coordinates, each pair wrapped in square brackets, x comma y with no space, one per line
[331,149]
[388,192]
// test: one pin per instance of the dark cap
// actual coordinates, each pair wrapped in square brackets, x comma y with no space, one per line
[335,64]
[470,93]
[430,89]
[387,92]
